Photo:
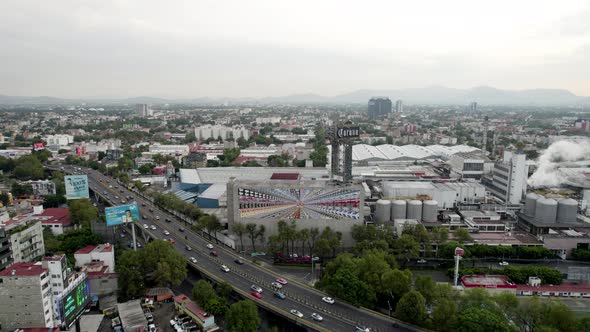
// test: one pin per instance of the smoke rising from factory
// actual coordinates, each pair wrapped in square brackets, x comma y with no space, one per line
[558,153]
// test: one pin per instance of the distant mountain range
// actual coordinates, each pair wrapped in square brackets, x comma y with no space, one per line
[434,95]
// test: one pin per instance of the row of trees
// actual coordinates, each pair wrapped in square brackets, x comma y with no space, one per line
[484,251]
[158,264]
[253,231]
[288,238]
[69,242]
[374,279]
[171,202]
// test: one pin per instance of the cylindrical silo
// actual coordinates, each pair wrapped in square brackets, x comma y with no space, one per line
[530,203]
[429,211]
[383,211]
[414,210]
[546,210]
[567,210]
[398,210]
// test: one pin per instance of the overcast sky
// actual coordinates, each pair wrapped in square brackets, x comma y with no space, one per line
[249,48]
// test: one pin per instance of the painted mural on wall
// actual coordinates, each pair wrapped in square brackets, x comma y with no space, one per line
[299,203]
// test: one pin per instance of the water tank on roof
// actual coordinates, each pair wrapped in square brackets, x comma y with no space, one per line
[414,210]
[546,210]
[567,210]
[429,211]
[398,210]
[530,203]
[383,211]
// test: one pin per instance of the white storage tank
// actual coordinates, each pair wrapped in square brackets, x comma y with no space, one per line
[567,210]
[398,209]
[429,211]
[383,211]
[530,204]
[546,210]
[414,210]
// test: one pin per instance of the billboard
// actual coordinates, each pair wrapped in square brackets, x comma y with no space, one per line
[121,214]
[299,203]
[73,300]
[76,186]
[348,132]
[38,146]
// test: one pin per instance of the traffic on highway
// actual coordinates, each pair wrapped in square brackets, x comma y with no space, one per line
[295,301]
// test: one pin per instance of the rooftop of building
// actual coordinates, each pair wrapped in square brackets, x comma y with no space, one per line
[54,258]
[23,269]
[191,306]
[478,213]
[106,247]
[411,151]
[55,216]
[513,238]
[487,281]
[223,174]
[565,287]
[132,316]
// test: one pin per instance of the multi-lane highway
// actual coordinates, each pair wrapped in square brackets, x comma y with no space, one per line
[336,317]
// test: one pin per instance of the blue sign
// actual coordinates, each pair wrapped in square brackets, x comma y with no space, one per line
[121,214]
[76,186]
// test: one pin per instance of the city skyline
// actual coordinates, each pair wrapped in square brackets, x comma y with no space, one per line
[256,50]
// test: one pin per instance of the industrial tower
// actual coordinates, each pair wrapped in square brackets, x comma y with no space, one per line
[342,136]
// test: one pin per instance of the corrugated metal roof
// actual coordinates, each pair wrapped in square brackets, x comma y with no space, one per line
[411,151]
[215,191]
[185,195]
[189,175]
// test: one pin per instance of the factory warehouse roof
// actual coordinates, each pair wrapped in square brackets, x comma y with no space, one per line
[406,152]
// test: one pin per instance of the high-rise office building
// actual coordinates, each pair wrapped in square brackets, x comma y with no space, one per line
[379,107]
[399,106]
[143,110]
[473,107]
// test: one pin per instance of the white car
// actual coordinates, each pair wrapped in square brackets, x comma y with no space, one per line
[255,288]
[503,263]
[276,285]
[296,313]
[209,246]
[317,317]
[224,268]
[193,260]
[153,228]
[328,300]
[166,233]
[157,217]
[146,226]
[421,261]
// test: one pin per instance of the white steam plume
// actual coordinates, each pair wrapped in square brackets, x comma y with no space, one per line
[558,152]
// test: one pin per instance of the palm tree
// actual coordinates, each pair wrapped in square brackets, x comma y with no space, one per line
[303,236]
[239,229]
[251,230]
[314,232]
[260,233]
